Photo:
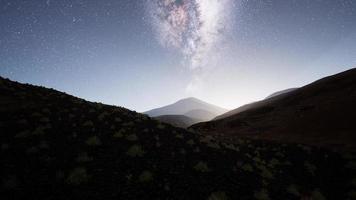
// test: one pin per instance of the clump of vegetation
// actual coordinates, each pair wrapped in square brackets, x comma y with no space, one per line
[39,130]
[265,173]
[218,196]
[128,124]
[102,115]
[180,136]
[93,141]
[261,195]
[213,145]
[4,146]
[32,150]
[43,145]
[351,165]
[247,167]
[88,124]
[84,157]
[231,147]
[202,167]
[146,176]
[10,182]
[44,120]
[161,126]
[293,189]
[182,151]
[118,134]
[23,134]
[317,195]
[135,151]
[78,176]
[132,137]
[273,162]
[279,154]
[310,167]
[117,120]
[191,142]
[352,194]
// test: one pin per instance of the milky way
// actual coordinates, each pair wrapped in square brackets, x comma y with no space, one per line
[193,27]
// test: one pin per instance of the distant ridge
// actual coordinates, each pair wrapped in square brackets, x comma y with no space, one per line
[190,107]
[256,104]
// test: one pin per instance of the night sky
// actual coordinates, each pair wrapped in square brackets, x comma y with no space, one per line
[141,54]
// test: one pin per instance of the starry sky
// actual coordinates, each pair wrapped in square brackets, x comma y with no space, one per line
[143,54]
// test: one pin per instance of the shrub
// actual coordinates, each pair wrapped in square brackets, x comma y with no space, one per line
[261,195]
[213,145]
[132,137]
[119,134]
[317,195]
[180,136]
[293,189]
[128,124]
[202,167]
[351,165]
[93,141]
[44,120]
[247,168]
[43,145]
[190,142]
[135,151]
[83,157]
[265,173]
[10,182]
[78,176]
[231,147]
[218,196]
[102,115]
[352,194]
[23,134]
[160,126]
[273,162]
[310,167]
[4,146]
[32,150]
[146,176]
[39,130]
[88,123]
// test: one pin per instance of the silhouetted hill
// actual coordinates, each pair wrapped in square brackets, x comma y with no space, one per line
[281,92]
[178,120]
[321,113]
[186,107]
[256,104]
[56,146]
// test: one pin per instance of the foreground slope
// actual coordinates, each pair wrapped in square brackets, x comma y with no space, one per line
[321,113]
[56,146]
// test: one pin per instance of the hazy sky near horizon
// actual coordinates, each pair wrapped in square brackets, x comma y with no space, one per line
[143,54]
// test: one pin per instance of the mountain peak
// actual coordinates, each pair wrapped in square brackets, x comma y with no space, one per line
[184,106]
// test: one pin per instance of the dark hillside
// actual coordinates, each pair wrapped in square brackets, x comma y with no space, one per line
[321,113]
[56,146]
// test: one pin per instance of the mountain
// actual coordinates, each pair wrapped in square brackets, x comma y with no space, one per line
[257,104]
[57,146]
[321,113]
[190,107]
[200,114]
[177,120]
